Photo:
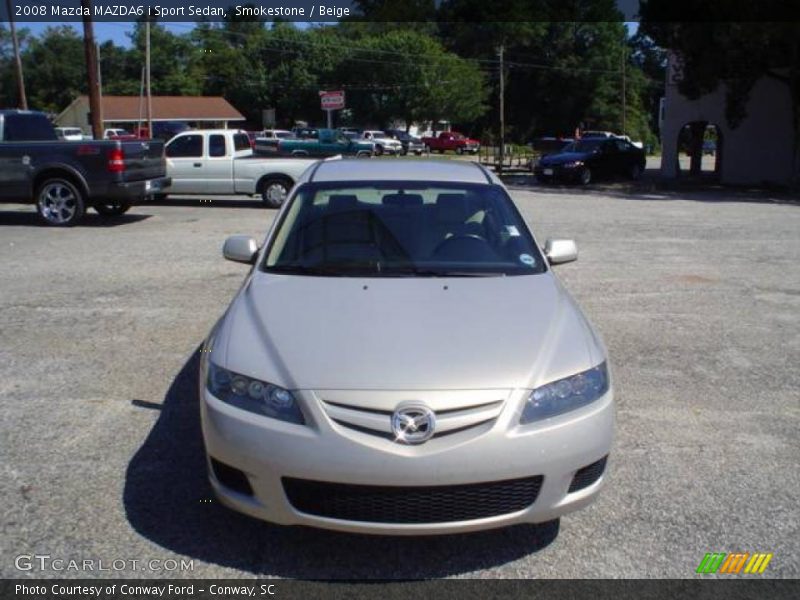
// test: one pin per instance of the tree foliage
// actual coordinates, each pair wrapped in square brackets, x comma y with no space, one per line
[558,74]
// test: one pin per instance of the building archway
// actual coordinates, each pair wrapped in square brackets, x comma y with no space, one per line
[700,151]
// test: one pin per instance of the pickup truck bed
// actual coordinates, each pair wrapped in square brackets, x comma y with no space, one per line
[64,178]
[220,162]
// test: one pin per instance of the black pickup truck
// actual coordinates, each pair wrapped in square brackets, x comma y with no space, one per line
[64,178]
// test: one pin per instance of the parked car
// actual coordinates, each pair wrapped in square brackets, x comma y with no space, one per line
[163,130]
[608,135]
[587,159]
[350,131]
[64,178]
[401,359]
[409,142]
[70,134]
[220,161]
[306,133]
[267,142]
[451,141]
[328,142]
[384,144]
[114,133]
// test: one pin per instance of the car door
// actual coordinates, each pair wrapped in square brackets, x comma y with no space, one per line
[217,165]
[628,156]
[185,164]
[607,160]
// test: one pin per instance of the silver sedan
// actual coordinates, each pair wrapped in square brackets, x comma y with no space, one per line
[402,359]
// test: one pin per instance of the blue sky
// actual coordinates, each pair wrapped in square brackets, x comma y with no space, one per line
[115,32]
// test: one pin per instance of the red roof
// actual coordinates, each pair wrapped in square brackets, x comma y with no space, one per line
[172,108]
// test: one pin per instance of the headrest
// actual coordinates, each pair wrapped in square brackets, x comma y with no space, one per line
[452,208]
[402,200]
[342,201]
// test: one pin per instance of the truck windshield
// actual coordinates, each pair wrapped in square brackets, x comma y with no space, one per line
[402,229]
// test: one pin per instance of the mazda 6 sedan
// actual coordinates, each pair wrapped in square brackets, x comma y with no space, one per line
[401,359]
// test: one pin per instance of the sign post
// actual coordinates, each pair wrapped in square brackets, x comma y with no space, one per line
[331,101]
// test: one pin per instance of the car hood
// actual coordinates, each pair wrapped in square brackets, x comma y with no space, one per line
[564,157]
[405,333]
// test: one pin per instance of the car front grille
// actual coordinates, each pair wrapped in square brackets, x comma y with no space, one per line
[379,422]
[408,505]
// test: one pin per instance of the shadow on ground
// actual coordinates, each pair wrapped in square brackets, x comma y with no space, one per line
[31,219]
[209,202]
[165,490]
[652,187]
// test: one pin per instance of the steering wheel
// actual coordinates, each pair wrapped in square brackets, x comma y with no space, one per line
[463,243]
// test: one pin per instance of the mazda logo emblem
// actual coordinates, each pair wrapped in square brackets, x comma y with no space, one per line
[413,423]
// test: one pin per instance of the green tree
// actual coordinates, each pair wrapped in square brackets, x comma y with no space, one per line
[55,69]
[408,75]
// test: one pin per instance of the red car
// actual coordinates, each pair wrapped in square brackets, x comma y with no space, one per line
[451,140]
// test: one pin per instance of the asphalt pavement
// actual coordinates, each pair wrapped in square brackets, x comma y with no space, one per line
[697,296]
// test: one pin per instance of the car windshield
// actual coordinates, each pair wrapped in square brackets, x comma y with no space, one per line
[589,145]
[402,229]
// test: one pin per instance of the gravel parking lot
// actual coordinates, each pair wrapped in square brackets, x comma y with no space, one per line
[697,297]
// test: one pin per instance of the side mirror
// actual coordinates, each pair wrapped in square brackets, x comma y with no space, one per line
[560,251]
[240,248]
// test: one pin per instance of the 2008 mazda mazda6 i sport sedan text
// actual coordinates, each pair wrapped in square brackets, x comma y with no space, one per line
[401,359]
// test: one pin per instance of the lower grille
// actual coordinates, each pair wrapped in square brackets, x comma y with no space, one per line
[231,477]
[587,475]
[395,504]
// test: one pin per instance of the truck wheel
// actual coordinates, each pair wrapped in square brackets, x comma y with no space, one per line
[635,171]
[59,202]
[363,154]
[299,153]
[459,150]
[378,150]
[274,191]
[113,209]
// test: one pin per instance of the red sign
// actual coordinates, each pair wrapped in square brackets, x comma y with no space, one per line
[332,100]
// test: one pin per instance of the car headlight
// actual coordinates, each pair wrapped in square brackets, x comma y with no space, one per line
[573,164]
[566,394]
[252,394]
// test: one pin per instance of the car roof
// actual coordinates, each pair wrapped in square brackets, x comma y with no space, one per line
[416,170]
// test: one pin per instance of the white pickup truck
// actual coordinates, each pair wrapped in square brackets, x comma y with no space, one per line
[221,162]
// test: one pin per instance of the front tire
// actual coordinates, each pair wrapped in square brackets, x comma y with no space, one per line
[378,150]
[59,202]
[274,191]
[585,176]
[635,172]
[112,209]
[459,150]
[363,154]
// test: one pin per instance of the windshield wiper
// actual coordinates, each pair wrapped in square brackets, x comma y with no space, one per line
[329,270]
[428,272]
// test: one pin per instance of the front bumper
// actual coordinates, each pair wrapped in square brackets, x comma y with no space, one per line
[557,173]
[267,450]
[134,191]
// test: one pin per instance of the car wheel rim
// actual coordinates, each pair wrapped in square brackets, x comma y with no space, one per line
[586,177]
[57,203]
[275,193]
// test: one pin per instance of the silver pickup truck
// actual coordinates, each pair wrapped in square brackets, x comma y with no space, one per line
[221,162]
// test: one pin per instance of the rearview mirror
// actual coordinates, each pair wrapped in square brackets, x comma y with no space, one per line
[240,248]
[560,251]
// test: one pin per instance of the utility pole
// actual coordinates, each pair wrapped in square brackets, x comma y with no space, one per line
[500,52]
[147,80]
[91,70]
[99,83]
[23,100]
